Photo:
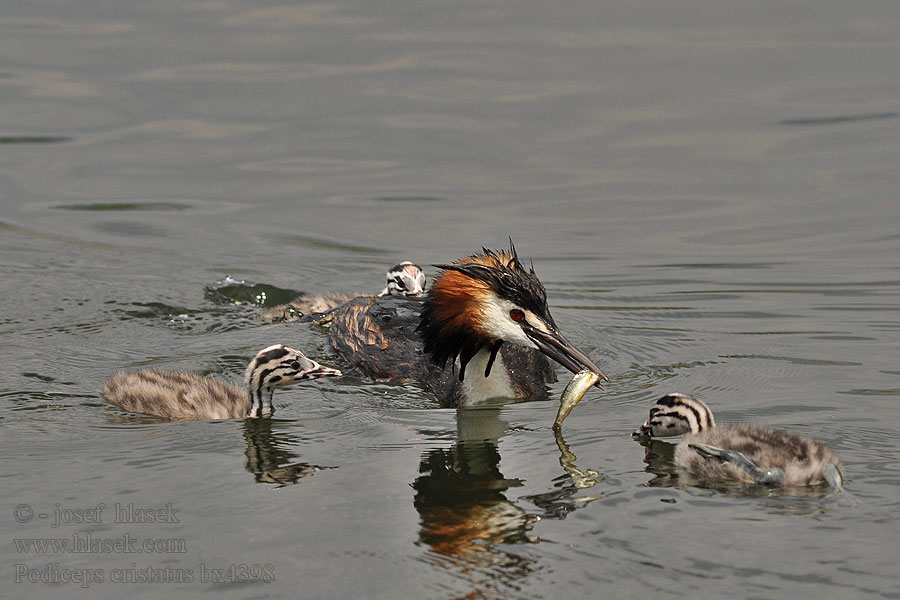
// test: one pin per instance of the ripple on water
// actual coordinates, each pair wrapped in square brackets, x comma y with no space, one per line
[269,450]
[238,292]
[39,404]
[187,320]
[125,206]
[836,119]
[34,139]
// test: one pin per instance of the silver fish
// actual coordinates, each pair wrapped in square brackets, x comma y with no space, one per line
[574,392]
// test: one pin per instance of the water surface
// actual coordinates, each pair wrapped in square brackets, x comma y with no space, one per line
[707,190]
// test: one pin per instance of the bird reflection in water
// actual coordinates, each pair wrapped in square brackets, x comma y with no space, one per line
[267,454]
[659,456]
[461,496]
[467,517]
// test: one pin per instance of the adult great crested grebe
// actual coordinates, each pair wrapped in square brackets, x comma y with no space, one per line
[740,453]
[453,342]
[178,395]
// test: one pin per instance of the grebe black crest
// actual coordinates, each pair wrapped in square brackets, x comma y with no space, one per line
[186,396]
[454,342]
[403,279]
[740,453]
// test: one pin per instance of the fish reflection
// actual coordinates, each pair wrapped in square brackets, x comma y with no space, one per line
[267,455]
[563,500]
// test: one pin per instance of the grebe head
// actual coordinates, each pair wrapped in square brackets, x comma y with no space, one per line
[276,366]
[486,299]
[676,414]
[404,279]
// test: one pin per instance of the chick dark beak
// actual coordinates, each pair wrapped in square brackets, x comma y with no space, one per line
[555,346]
[643,431]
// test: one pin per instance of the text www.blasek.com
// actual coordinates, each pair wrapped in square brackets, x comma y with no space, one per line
[88,543]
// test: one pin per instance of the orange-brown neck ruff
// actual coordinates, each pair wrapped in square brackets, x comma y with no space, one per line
[452,317]
[457,296]
[455,300]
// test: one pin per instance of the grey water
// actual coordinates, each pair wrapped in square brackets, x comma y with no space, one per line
[708,190]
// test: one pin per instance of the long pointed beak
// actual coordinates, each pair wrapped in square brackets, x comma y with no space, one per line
[555,346]
[315,371]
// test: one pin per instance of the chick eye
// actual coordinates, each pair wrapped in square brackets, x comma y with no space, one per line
[517,315]
[295,365]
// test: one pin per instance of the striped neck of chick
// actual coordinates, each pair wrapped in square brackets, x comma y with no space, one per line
[676,414]
[404,279]
[274,367]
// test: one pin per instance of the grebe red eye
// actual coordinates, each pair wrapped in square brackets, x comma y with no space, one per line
[517,315]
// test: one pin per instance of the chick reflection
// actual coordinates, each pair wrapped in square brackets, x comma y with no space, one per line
[659,456]
[461,499]
[267,457]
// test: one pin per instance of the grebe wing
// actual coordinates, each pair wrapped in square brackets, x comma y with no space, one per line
[378,336]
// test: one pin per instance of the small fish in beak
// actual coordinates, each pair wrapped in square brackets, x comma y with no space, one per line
[574,392]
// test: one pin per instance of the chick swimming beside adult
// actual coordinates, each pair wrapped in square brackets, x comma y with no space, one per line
[740,453]
[179,395]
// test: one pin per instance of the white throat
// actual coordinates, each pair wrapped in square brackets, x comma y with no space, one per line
[476,388]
